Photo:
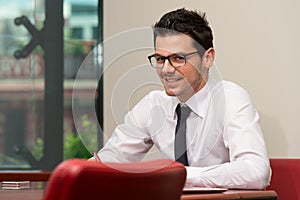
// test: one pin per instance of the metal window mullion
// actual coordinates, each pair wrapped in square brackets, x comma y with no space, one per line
[54,76]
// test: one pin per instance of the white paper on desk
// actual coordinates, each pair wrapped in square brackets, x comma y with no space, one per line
[15,185]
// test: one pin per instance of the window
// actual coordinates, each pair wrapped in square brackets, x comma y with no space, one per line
[77,33]
[27,137]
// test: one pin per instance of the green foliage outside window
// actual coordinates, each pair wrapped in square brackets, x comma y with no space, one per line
[73,146]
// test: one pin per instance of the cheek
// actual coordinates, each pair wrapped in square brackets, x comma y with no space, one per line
[158,72]
[191,74]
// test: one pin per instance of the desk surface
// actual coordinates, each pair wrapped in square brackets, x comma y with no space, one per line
[24,176]
[232,194]
[28,194]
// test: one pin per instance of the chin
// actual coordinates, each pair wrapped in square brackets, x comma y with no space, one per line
[170,92]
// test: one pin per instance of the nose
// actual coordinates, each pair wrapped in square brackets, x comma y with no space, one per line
[168,68]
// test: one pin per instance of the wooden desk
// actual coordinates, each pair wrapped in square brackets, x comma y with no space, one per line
[233,194]
[24,176]
[37,194]
[21,194]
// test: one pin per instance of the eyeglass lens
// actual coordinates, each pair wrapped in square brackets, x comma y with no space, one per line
[175,60]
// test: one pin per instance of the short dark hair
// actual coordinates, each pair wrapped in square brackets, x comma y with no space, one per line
[191,23]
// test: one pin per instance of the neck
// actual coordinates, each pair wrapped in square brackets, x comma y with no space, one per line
[190,92]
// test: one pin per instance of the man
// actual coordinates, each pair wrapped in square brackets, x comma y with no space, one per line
[219,138]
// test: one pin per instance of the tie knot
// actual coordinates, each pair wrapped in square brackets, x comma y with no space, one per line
[183,111]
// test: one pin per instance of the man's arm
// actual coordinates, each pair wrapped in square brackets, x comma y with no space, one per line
[130,141]
[249,166]
[240,174]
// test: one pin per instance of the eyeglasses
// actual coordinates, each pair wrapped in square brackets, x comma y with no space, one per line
[176,60]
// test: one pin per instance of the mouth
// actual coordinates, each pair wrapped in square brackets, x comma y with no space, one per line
[171,81]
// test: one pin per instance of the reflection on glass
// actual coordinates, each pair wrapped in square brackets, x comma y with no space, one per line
[21,89]
[22,81]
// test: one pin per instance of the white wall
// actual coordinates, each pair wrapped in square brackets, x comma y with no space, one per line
[257,46]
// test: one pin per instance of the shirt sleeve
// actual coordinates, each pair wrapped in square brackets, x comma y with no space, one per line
[249,166]
[130,141]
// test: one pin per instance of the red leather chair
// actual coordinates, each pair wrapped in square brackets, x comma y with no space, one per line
[285,178]
[78,179]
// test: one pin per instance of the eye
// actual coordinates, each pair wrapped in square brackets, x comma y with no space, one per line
[160,59]
[177,58]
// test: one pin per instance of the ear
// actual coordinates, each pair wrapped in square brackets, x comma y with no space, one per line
[209,57]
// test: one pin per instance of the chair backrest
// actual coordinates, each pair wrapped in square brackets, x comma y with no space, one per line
[78,179]
[285,178]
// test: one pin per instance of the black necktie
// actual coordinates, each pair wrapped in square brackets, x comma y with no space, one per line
[180,134]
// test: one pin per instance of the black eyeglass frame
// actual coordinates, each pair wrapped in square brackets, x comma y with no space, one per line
[184,56]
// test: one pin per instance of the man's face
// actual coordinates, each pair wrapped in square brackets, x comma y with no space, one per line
[184,81]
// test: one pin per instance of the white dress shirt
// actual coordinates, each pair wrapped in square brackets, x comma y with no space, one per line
[225,144]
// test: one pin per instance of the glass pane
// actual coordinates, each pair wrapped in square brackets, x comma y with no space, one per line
[21,88]
[22,83]
[81,38]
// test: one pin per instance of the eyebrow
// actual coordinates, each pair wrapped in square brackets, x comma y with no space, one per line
[177,53]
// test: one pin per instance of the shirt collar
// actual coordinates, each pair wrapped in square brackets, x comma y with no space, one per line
[199,101]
